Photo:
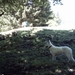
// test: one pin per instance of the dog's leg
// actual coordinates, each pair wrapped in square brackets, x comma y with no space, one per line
[53,58]
[68,56]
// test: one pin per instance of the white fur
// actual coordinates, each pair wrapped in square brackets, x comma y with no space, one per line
[55,51]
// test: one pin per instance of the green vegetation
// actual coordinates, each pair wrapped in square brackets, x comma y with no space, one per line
[23,53]
[13,13]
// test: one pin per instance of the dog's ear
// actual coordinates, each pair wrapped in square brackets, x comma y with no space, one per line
[49,41]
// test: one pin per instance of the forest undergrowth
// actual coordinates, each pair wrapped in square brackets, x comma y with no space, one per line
[23,53]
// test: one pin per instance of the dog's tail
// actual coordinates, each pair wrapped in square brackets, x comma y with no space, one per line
[72,57]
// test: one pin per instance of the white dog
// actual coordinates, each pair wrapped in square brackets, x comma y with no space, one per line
[55,51]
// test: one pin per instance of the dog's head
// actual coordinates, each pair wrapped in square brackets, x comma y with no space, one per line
[48,44]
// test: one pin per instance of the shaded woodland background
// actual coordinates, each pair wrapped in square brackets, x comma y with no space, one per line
[13,13]
[23,53]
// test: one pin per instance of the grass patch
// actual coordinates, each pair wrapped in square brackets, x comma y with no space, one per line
[24,54]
